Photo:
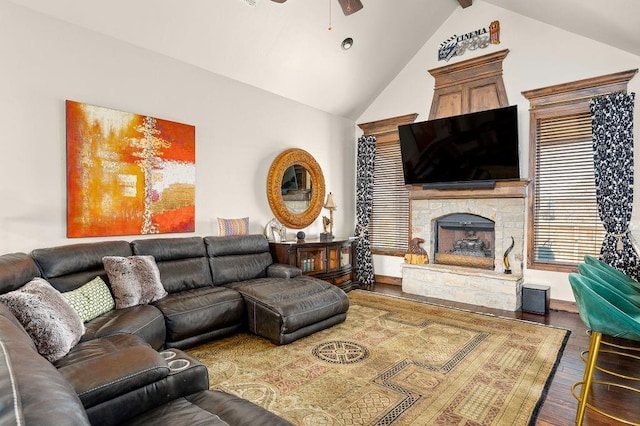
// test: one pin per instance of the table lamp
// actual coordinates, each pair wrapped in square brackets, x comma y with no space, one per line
[330,205]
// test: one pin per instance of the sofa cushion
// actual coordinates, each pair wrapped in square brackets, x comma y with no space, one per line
[182,262]
[32,391]
[16,269]
[145,321]
[135,280]
[178,411]
[209,407]
[239,244]
[238,258]
[71,266]
[91,300]
[195,312]
[239,267]
[235,410]
[50,321]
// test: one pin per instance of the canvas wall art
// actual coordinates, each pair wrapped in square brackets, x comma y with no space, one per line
[128,174]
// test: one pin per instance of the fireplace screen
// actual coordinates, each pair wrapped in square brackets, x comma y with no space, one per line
[465,240]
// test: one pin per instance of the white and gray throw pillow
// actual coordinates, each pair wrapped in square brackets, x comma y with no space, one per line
[135,280]
[54,326]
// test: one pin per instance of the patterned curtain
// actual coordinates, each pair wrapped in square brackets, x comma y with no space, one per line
[612,125]
[364,206]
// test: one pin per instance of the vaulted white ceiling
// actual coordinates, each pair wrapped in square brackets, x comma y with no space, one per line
[288,50]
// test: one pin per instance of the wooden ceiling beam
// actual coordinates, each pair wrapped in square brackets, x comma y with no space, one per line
[465,3]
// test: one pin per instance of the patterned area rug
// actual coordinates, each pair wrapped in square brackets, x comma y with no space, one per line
[395,362]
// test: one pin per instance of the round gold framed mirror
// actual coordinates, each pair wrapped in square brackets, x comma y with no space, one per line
[295,188]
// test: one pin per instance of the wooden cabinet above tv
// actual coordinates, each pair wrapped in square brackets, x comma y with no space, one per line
[469,86]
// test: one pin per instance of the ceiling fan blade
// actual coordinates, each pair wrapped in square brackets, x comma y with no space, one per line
[350,6]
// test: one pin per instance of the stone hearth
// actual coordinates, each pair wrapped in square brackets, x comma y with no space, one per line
[464,285]
[505,206]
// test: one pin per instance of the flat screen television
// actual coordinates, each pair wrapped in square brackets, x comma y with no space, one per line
[475,149]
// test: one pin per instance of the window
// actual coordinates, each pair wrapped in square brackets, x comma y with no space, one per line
[389,225]
[563,222]
[566,225]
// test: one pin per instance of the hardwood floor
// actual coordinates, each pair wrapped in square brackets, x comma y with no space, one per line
[559,407]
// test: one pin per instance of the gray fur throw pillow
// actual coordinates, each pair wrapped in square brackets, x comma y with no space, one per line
[135,280]
[51,322]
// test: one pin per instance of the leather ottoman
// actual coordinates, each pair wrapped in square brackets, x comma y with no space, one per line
[284,310]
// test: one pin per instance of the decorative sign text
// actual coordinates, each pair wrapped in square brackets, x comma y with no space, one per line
[457,45]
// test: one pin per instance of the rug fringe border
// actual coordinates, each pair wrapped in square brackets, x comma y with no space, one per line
[441,305]
[547,385]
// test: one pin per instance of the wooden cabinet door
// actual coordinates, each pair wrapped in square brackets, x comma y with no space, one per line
[312,260]
[469,86]
[333,258]
[346,256]
[447,103]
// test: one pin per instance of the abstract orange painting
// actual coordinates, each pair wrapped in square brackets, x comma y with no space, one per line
[128,174]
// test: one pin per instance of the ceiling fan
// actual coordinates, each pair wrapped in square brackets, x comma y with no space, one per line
[348,6]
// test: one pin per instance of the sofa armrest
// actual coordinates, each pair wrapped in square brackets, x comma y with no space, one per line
[105,368]
[181,381]
[32,391]
[280,270]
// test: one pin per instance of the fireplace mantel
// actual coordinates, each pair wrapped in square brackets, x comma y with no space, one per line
[507,189]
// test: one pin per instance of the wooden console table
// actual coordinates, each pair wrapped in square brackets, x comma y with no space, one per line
[331,260]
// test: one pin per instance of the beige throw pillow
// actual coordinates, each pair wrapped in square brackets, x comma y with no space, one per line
[135,280]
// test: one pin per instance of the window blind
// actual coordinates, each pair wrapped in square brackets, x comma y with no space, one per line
[389,225]
[566,224]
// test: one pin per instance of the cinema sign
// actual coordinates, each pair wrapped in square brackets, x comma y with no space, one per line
[457,45]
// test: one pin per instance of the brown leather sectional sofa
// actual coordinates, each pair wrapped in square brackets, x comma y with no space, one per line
[129,367]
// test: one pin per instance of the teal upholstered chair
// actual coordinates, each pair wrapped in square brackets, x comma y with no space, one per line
[621,276]
[615,280]
[604,311]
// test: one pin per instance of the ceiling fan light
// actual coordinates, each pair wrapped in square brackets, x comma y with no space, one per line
[347,43]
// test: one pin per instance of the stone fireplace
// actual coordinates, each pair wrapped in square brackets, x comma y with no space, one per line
[466,233]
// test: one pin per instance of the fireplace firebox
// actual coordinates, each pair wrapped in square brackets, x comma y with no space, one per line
[464,239]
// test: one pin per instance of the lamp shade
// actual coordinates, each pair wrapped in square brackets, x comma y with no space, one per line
[330,204]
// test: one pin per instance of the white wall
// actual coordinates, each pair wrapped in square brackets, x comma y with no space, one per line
[239,129]
[539,55]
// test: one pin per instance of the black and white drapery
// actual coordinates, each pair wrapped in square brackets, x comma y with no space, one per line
[612,126]
[364,207]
